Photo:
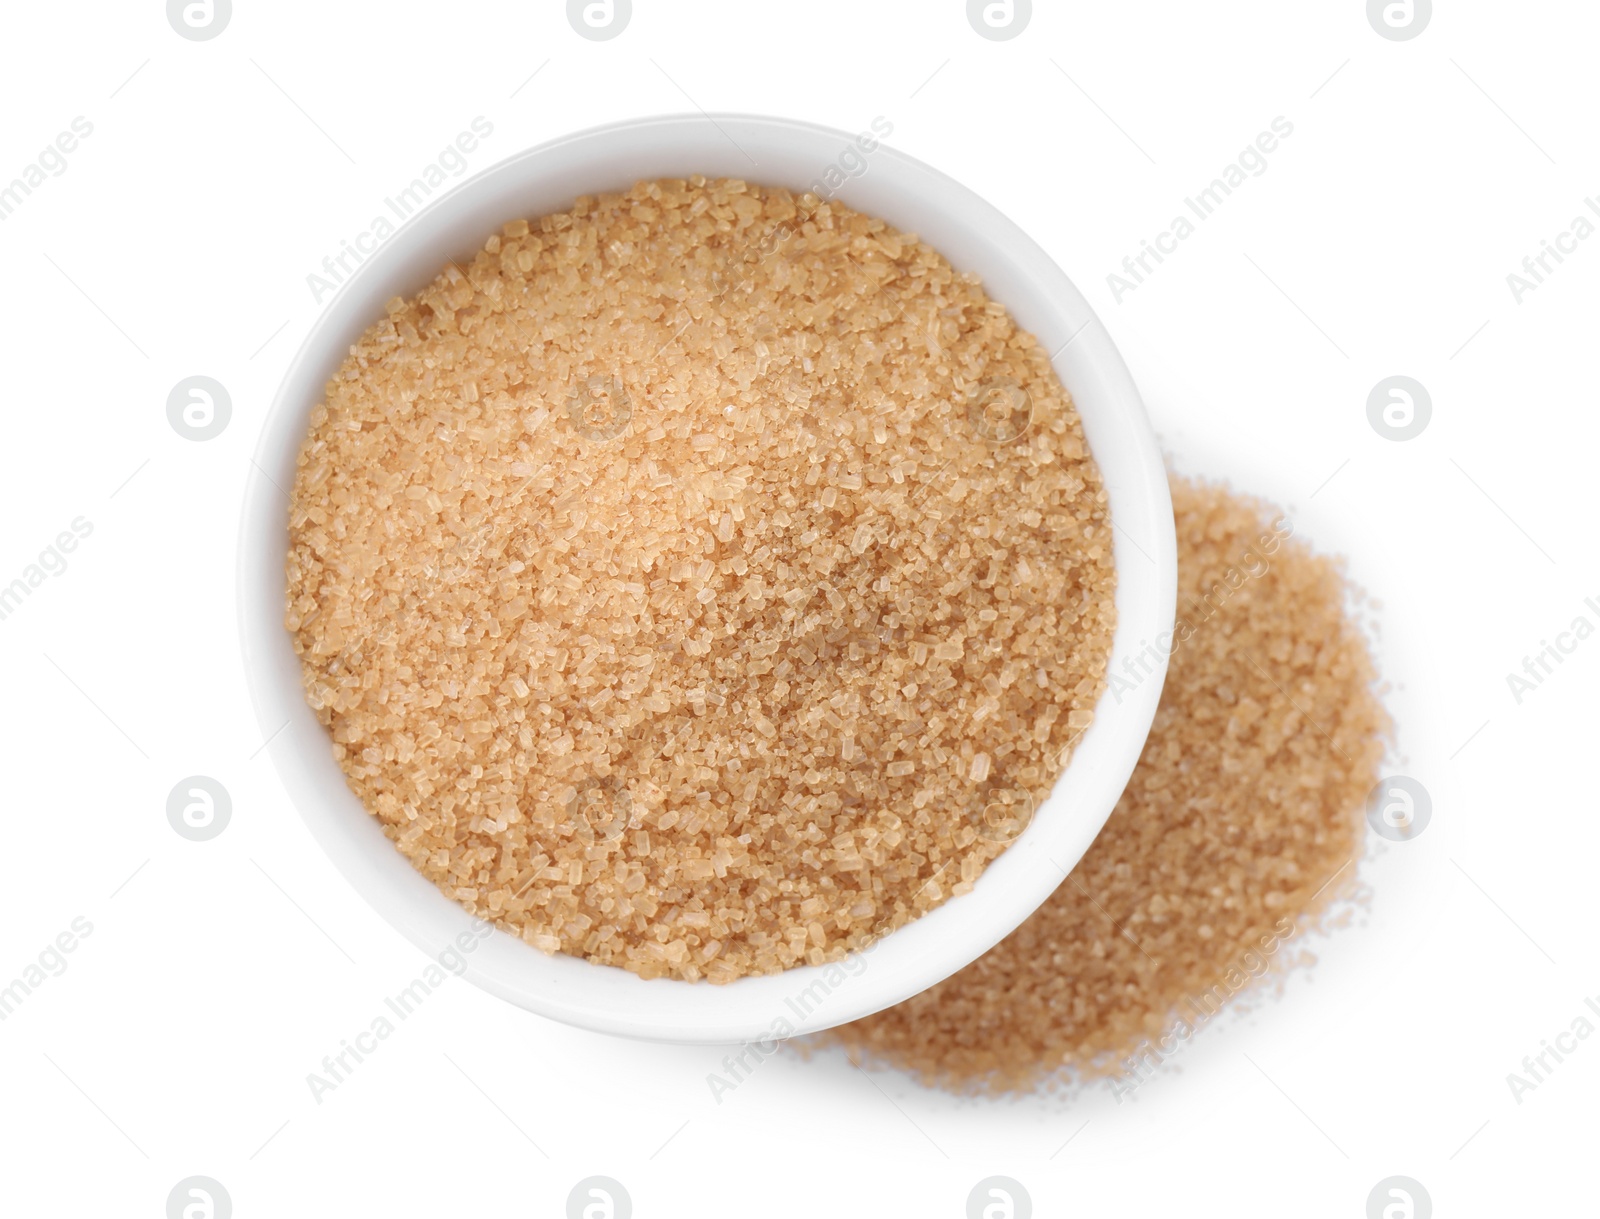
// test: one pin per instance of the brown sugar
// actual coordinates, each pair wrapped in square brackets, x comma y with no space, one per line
[686,579]
[1238,827]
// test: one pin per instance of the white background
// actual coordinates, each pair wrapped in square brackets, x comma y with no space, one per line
[178,241]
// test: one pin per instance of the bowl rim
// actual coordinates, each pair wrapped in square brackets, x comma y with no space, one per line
[906,961]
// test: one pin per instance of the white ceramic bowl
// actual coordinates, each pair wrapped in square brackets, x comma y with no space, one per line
[973,236]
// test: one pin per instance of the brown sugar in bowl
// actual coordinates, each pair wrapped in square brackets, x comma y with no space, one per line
[815,994]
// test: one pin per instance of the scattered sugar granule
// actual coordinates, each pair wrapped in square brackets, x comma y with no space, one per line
[1234,833]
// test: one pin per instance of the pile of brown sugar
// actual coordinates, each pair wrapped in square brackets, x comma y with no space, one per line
[1239,825]
[686,579]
